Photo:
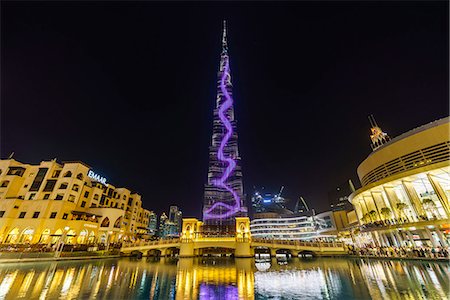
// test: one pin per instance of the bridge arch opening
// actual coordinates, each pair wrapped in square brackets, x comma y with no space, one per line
[262,252]
[172,252]
[283,254]
[307,254]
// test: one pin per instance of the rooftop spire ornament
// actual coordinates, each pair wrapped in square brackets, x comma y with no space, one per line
[378,137]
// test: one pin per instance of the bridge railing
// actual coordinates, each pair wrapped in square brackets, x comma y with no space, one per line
[300,243]
[151,243]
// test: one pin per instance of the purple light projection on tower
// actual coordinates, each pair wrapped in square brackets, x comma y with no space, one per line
[223,192]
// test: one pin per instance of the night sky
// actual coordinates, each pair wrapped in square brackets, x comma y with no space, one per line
[129,89]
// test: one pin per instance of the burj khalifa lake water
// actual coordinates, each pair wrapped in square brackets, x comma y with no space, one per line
[217,278]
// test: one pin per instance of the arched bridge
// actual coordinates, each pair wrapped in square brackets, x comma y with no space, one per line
[242,247]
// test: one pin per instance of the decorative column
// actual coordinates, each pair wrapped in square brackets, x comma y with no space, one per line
[441,237]
[430,236]
[411,239]
[440,194]
[399,237]
[394,239]
[392,203]
[376,239]
[413,199]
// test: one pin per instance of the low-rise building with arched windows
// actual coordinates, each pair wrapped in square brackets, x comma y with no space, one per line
[68,202]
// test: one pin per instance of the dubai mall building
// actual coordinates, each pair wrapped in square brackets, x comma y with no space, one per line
[404,198]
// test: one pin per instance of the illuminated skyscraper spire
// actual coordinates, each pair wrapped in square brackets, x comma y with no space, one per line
[223,196]
[224,38]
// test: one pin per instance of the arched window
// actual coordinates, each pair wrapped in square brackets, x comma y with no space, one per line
[27,235]
[80,176]
[45,236]
[68,174]
[12,236]
[118,222]
[82,237]
[105,222]
[91,238]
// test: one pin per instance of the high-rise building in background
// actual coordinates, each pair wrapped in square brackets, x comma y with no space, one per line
[338,197]
[223,194]
[152,223]
[176,217]
[162,225]
[170,226]
[264,202]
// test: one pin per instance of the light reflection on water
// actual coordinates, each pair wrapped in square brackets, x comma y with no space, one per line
[324,278]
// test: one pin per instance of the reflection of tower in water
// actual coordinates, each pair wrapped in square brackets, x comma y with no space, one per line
[227,279]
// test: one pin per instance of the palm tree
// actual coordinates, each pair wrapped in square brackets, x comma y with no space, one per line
[385,212]
[366,218]
[373,215]
[401,207]
[430,206]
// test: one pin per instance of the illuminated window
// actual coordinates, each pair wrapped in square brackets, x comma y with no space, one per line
[71,198]
[65,216]
[96,197]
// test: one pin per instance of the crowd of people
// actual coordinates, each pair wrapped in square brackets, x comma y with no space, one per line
[401,252]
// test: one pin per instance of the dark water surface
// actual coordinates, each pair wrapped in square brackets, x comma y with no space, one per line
[322,278]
